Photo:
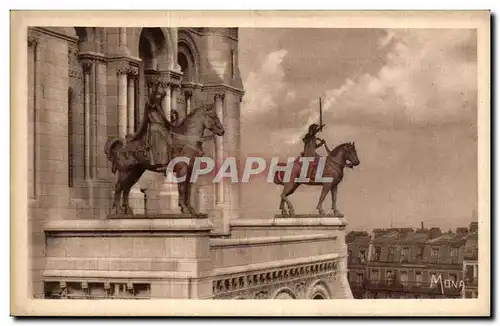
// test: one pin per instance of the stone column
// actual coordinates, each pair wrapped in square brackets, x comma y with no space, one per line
[132,74]
[122,39]
[219,150]
[188,94]
[173,102]
[33,44]
[174,34]
[87,66]
[167,99]
[122,101]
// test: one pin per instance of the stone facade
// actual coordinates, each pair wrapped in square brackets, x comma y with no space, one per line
[87,84]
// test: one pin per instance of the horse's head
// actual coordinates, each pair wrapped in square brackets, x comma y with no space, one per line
[351,155]
[211,121]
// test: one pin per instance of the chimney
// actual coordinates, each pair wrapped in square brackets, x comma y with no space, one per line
[421,225]
[434,233]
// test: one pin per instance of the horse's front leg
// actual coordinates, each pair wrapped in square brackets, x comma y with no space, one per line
[181,187]
[336,212]
[324,191]
[116,207]
[188,190]
[126,207]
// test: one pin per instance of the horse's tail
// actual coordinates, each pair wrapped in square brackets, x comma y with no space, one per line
[110,149]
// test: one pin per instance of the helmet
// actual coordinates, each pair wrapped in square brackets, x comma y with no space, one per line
[313,128]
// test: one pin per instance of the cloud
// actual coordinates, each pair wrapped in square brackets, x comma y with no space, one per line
[265,84]
[429,78]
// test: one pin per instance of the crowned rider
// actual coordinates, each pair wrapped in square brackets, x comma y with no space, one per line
[155,129]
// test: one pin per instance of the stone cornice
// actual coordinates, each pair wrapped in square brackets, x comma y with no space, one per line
[310,220]
[259,241]
[92,56]
[56,34]
[123,58]
[223,88]
[127,227]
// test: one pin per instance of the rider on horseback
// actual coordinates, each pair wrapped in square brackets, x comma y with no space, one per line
[312,142]
[155,130]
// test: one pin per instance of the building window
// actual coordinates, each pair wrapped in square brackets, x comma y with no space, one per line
[418,278]
[390,254]
[362,256]
[349,255]
[434,253]
[469,273]
[454,255]
[376,254]
[405,254]
[420,253]
[389,277]
[360,277]
[374,275]
[403,277]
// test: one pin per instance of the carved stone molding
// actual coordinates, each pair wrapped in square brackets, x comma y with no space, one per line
[188,93]
[87,66]
[260,285]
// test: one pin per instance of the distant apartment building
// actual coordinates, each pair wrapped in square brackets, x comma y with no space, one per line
[409,263]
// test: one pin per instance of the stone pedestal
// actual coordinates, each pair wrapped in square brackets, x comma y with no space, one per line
[139,256]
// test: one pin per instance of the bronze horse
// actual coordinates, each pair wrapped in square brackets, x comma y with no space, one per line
[132,158]
[342,156]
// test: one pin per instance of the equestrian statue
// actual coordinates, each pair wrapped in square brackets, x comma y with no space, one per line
[155,144]
[342,156]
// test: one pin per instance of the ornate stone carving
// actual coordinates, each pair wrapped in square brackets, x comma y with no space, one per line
[219,96]
[86,66]
[97,290]
[72,56]
[262,294]
[122,70]
[132,71]
[188,93]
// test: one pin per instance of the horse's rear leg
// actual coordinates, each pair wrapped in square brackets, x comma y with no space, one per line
[324,190]
[282,207]
[335,210]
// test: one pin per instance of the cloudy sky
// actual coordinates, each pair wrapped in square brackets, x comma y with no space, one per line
[407,98]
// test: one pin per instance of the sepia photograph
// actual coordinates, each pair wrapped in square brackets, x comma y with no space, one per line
[217,156]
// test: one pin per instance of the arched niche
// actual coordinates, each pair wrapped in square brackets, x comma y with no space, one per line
[188,56]
[284,294]
[188,63]
[318,290]
[153,49]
